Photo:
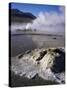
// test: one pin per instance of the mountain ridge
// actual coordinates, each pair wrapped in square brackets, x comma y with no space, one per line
[19,16]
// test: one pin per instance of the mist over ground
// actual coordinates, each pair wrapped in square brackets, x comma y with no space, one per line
[47,22]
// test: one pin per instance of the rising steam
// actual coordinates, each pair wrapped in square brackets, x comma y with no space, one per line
[49,22]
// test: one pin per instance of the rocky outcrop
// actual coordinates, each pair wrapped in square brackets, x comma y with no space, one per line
[48,64]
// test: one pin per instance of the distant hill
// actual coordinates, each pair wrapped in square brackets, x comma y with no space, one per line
[19,16]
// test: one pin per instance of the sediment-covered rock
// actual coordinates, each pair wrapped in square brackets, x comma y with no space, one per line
[49,64]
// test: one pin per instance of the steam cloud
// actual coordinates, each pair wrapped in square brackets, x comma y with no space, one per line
[47,22]
[53,22]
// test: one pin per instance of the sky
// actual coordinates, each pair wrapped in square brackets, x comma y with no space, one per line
[35,8]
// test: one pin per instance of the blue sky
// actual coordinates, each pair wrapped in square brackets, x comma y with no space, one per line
[35,8]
